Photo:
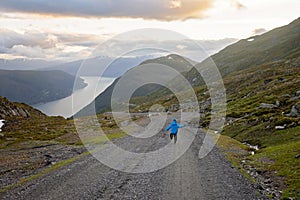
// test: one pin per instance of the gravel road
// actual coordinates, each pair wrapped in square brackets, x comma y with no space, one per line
[189,177]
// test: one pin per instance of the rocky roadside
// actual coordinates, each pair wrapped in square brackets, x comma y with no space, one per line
[18,164]
[265,181]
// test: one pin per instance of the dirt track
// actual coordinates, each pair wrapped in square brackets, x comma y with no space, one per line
[189,177]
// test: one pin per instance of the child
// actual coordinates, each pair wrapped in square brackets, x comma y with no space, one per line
[174,129]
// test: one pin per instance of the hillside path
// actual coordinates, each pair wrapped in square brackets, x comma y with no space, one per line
[189,177]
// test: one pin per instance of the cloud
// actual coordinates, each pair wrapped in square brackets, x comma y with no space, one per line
[9,39]
[69,47]
[42,45]
[238,5]
[193,49]
[259,31]
[29,52]
[175,4]
[147,9]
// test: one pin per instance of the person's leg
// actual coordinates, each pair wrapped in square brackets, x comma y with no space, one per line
[171,136]
[175,138]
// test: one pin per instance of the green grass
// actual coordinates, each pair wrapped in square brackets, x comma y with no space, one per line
[283,162]
[36,128]
[235,152]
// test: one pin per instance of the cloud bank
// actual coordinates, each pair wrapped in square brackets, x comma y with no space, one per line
[69,47]
[146,9]
[43,45]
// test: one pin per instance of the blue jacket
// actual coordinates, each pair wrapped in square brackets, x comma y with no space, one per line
[174,127]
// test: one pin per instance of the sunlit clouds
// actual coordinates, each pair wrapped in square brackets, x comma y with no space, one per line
[154,9]
[175,4]
[70,30]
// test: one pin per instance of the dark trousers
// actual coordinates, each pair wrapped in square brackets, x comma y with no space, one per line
[175,137]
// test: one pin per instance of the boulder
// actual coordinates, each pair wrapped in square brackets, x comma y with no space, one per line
[295,111]
[294,98]
[285,96]
[266,105]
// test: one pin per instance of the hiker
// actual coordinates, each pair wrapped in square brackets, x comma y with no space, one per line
[174,129]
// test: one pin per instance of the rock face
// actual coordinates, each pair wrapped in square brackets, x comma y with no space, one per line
[295,111]
[9,109]
[266,105]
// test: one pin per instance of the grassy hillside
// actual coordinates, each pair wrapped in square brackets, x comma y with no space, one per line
[33,144]
[34,87]
[24,124]
[259,104]
[260,101]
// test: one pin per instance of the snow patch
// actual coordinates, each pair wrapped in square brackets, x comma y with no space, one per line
[250,40]
[1,124]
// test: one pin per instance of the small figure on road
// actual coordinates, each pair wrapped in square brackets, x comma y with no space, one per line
[174,129]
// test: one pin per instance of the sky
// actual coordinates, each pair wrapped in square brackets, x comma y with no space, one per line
[70,29]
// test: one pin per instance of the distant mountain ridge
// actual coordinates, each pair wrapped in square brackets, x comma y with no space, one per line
[115,67]
[103,101]
[268,47]
[33,87]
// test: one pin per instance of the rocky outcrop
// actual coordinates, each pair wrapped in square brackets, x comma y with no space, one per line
[295,111]
[266,105]
[9,109]
[14,111]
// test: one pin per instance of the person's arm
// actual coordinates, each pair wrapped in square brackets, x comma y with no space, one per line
[180,125]
[168,128]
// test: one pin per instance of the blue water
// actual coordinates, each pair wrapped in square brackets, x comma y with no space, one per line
[64,107]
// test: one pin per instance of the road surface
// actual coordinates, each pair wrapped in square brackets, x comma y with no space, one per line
[189,177]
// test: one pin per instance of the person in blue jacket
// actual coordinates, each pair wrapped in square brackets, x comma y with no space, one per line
[174,129]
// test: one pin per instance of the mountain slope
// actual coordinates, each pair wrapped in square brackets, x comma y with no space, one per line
[34,87]
[277,44]
[283,42]
[103,101]
[274,45]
